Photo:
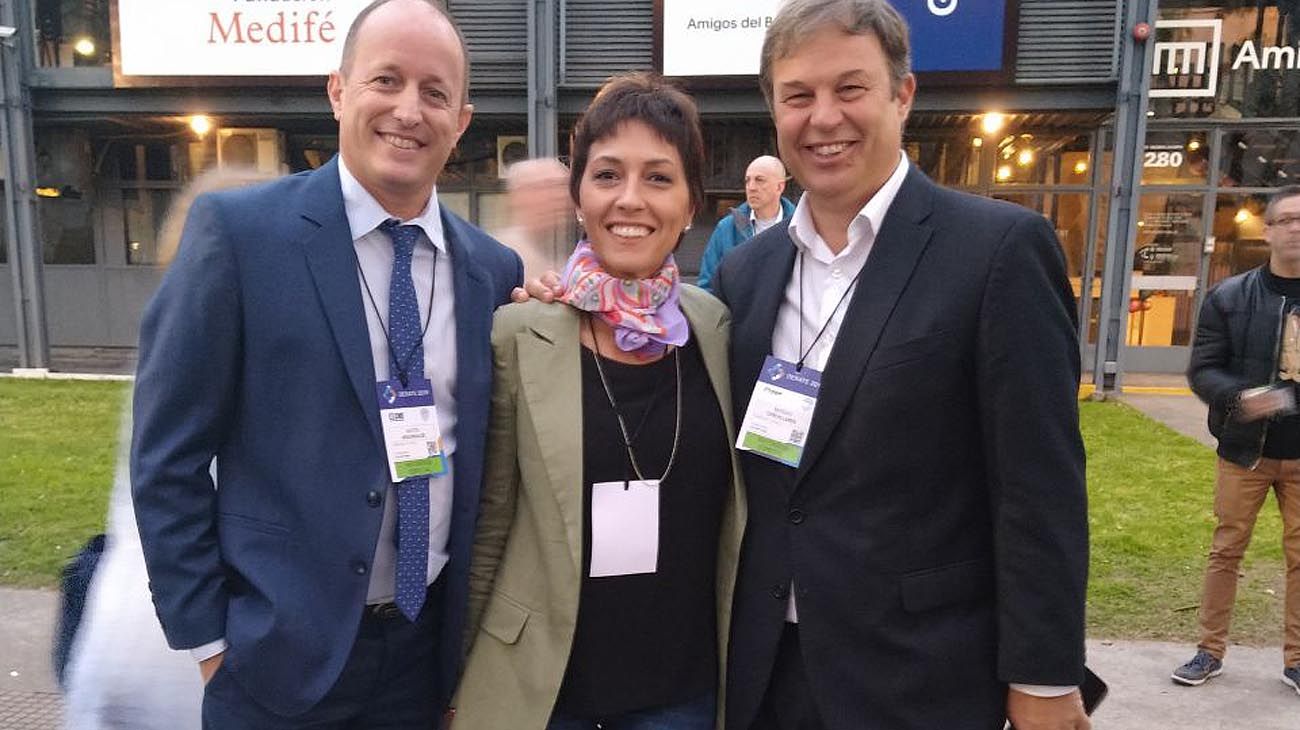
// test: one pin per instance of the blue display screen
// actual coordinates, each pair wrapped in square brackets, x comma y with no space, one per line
[955,35]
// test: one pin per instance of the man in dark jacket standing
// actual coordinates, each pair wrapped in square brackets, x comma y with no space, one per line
[763,208]
[1246,366]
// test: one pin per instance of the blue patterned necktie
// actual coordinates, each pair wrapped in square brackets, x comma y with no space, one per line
[406,361]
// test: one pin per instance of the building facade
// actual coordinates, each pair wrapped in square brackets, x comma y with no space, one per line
[110,149]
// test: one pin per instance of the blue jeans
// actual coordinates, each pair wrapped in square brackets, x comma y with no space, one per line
[696,714]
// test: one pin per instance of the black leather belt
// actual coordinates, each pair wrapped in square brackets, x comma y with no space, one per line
[383,611]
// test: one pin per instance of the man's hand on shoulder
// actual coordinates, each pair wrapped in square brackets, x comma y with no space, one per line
[546,288]
[1027,712]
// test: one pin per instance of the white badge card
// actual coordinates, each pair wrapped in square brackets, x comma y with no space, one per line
[412,439]
[780,411]
[624,528]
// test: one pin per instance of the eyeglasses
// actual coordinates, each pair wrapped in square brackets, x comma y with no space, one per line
[1284,221]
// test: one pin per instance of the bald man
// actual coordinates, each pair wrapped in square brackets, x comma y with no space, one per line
[763,208]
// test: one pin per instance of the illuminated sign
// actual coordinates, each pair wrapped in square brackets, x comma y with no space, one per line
[725,37]
[231,37]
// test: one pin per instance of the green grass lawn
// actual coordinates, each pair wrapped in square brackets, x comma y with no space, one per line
[1150,509]
[58,444]
[1151,513]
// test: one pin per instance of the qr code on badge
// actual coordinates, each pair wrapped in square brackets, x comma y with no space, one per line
[796,437]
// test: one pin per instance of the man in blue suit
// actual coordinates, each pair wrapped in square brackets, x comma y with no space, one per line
[323,582]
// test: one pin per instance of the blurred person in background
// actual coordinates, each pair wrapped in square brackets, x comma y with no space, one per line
[540,212]
[121,675]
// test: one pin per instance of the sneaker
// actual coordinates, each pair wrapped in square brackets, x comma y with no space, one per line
[1202,667]
[1291,676]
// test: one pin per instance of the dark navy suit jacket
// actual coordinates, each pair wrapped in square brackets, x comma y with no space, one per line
[255,351]
[936,529]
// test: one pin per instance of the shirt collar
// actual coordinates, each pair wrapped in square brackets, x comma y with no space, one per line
[780,213]
[365,213]
[864,226]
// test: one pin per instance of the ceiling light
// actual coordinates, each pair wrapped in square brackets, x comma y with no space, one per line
[1080,167]
[201,124]
[1004,173]
[993,122]
[1025,158]
[1242,216]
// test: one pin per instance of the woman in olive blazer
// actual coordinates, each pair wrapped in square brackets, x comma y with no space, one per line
[530,562]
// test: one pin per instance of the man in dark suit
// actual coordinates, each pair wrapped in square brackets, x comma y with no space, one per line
[916,554]
[323,583]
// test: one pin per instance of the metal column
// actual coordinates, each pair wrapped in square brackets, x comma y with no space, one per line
[1121,230]
[543,126]
[20,196]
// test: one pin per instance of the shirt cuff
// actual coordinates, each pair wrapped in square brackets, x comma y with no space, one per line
[208,650]
[1042,690]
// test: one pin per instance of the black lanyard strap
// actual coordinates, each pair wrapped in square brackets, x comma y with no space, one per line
[402,364]
[803,354]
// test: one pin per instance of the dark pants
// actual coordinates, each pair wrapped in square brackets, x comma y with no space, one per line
[788,703]
[387,682]
[698,714]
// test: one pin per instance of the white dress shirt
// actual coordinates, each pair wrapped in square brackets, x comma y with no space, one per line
[375,256]
[822,279]
[828,278]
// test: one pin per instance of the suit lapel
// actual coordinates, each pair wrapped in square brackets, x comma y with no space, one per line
[332,259]
[550,377]
[758,296]
[473,304]
[902,239]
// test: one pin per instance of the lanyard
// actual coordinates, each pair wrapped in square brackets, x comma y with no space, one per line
[401,363]
[803,354]
[622,425]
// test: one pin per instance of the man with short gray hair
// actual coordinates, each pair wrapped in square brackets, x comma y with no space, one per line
[905,367]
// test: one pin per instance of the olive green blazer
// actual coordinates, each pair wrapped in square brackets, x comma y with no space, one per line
[526,571]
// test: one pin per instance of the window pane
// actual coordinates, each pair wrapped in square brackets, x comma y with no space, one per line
[72,33]
[1044,158]
[1261,158]
[67,231]
[954,162]
[457,203]
[1165,267]
[1238,236]
[1175,158]
[144,211]
[146,161]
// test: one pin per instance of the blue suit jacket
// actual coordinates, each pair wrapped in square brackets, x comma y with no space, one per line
[255,351]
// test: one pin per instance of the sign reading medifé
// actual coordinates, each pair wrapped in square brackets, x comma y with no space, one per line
[232,37]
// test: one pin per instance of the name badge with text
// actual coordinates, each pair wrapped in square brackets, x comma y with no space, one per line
[412,439]
[780,411]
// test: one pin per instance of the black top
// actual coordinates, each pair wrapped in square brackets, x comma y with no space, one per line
[649,640]
[1283,439]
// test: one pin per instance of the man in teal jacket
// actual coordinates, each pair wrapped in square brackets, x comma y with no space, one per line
[763,208]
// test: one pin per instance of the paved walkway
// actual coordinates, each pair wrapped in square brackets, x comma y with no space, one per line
[1249,695]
